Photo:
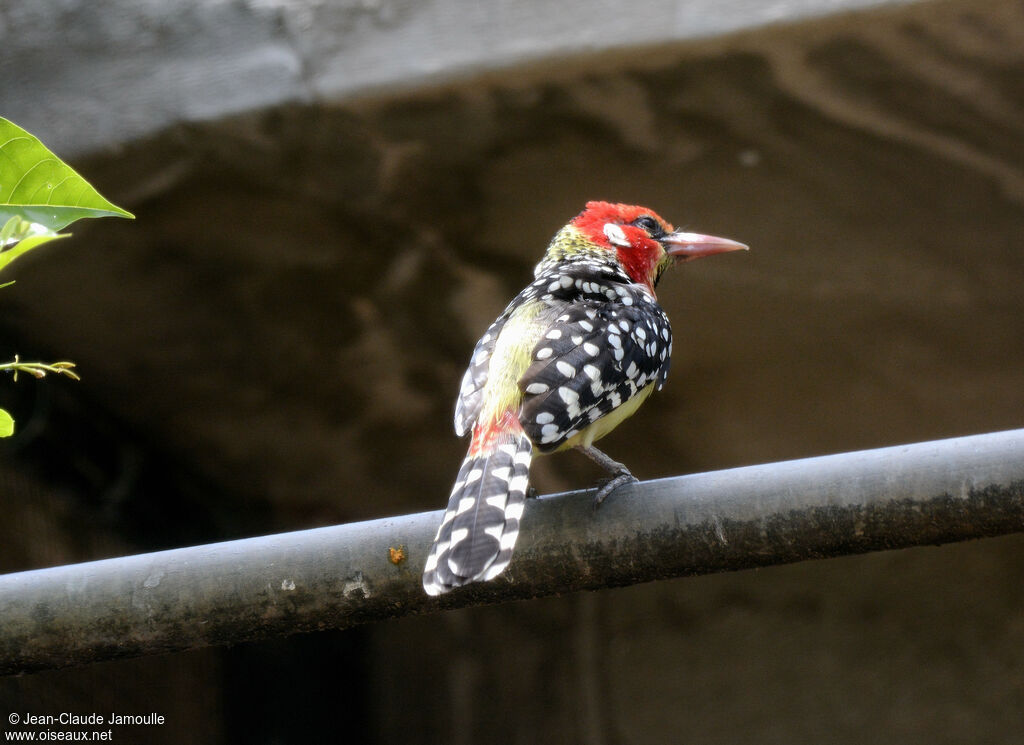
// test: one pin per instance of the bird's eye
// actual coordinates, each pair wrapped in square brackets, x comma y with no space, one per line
[649,224]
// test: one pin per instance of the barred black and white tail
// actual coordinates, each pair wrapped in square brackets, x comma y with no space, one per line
[481,524]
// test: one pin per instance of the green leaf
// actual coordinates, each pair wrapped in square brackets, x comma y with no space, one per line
[6,424]
[25,236]
[37,186]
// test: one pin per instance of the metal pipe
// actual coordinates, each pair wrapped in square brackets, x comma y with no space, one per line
[336,577]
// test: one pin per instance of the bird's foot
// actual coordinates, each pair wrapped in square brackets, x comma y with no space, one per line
[620,474]
[624,477]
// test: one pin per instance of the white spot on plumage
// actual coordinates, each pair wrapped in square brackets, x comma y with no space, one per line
[474,475]
[498,566]
[624,325]
[615,341]
[592,349]
[544,353]
[514,511]
[459,534]
[631,371]
[449,516]
[592,371]
[566,281]
[627,300]
[554,334]
[640,334]
[571,399]
[615,234]
[501,473]
[465,504]
[508,541]
[566,369]
[548,431]
[545,417]
[586,325]
[536,388]
[519,483]
[577,339]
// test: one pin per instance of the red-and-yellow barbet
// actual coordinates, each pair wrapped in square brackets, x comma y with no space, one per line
[572,356]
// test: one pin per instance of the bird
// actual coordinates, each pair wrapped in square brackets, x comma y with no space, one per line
[572,356]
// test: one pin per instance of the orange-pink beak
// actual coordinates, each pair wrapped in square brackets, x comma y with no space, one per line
[689,246]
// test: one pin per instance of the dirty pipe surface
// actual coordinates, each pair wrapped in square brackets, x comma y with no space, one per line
[340,576]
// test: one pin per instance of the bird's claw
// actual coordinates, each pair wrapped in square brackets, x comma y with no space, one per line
[620,479]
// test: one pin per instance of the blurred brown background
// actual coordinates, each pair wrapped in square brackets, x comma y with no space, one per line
[276,342]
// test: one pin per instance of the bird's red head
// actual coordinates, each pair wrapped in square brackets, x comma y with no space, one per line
[644,244]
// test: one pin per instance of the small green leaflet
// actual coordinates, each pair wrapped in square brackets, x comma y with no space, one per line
[25,236]
[6,424]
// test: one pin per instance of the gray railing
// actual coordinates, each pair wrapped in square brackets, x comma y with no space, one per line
[336,577]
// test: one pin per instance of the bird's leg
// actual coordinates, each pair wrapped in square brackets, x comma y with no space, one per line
[620,474]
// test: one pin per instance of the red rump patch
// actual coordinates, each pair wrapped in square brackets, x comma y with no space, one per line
[642,255]
[486,435]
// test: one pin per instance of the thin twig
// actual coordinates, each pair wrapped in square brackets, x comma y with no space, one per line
[39,369]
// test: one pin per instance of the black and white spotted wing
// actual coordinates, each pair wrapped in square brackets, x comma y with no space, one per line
[471,392]
[596,356]
[598,282]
